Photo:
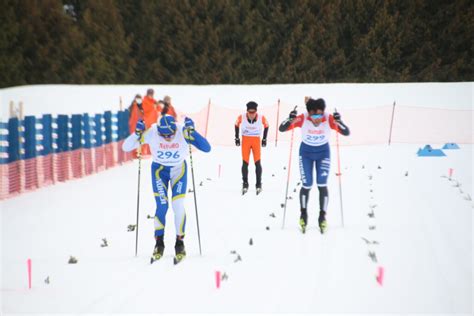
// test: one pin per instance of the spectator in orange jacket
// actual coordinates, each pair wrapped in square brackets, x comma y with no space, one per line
[150,108]
[136,112]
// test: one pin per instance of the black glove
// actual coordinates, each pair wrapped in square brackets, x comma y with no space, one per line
[336,116]
[293,114]
[264,142]
[237,142]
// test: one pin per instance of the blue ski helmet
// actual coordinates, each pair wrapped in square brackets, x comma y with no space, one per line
[166,125]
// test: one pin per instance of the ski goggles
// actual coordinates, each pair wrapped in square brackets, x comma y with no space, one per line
[167,135]
[316,116]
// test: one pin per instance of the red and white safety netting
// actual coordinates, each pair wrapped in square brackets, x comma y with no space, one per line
[30,174]
[369,126]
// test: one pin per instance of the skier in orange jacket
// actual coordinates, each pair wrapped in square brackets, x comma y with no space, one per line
[250,125]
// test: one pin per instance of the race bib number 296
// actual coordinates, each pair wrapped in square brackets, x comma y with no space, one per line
[168,154]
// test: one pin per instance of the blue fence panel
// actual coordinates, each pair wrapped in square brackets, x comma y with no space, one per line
[13,139]
[47,133]
[123,124]
[108,127]
[3,143]
[30,137]
[98,130]
[63,135]
[76,130]
[86,125]
[119,125]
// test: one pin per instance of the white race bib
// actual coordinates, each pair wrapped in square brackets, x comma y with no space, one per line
[168,153]
[315,135]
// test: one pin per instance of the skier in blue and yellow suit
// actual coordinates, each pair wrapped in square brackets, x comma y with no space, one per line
[169,143]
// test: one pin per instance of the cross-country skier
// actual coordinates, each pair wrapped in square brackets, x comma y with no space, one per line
[314,153]
[169,147]
[250,124]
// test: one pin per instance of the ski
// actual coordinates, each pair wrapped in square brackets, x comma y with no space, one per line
[303,220]
[244,190]
[178,258]
[303,226]
[323,227]
[259,190]
[155,258]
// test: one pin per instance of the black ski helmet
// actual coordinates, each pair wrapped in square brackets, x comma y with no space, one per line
[252,106]
[313,105]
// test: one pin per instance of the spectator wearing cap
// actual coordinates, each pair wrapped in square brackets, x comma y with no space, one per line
[167,107]
[136,112]
[251,125]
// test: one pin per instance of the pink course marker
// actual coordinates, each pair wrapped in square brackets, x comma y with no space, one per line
[219,170]
[380,276]
[218,279]
[450,172]
[29,273]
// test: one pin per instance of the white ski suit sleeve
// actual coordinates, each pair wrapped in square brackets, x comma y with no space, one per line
[132,142]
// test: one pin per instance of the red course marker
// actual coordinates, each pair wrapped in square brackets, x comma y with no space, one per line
[218,279]
[29,273]
[380,276]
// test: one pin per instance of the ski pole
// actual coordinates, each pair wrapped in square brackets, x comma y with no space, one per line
[339,174]
[288,178]
[139,156]
[195,200]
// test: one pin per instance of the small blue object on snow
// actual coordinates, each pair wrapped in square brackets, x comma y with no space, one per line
[428,151]
[450,146]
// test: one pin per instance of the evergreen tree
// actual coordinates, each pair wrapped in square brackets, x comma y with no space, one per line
[232,41]
[11,59]
[106,55]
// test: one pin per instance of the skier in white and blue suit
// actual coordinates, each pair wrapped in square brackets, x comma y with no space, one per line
[314,153]
[169,144]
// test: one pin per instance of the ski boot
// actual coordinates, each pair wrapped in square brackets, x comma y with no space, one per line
[159,249]
[323,225]
[179,250]
[259,188]
[303,220]
[245,188]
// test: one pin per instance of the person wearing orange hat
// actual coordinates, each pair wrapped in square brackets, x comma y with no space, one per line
[251,125]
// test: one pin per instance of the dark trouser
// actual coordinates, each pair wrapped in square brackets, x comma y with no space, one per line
[323,198]
[258,173]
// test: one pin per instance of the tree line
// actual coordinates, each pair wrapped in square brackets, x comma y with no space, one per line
[234,41]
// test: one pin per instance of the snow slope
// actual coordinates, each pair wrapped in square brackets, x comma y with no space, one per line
[423,227]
